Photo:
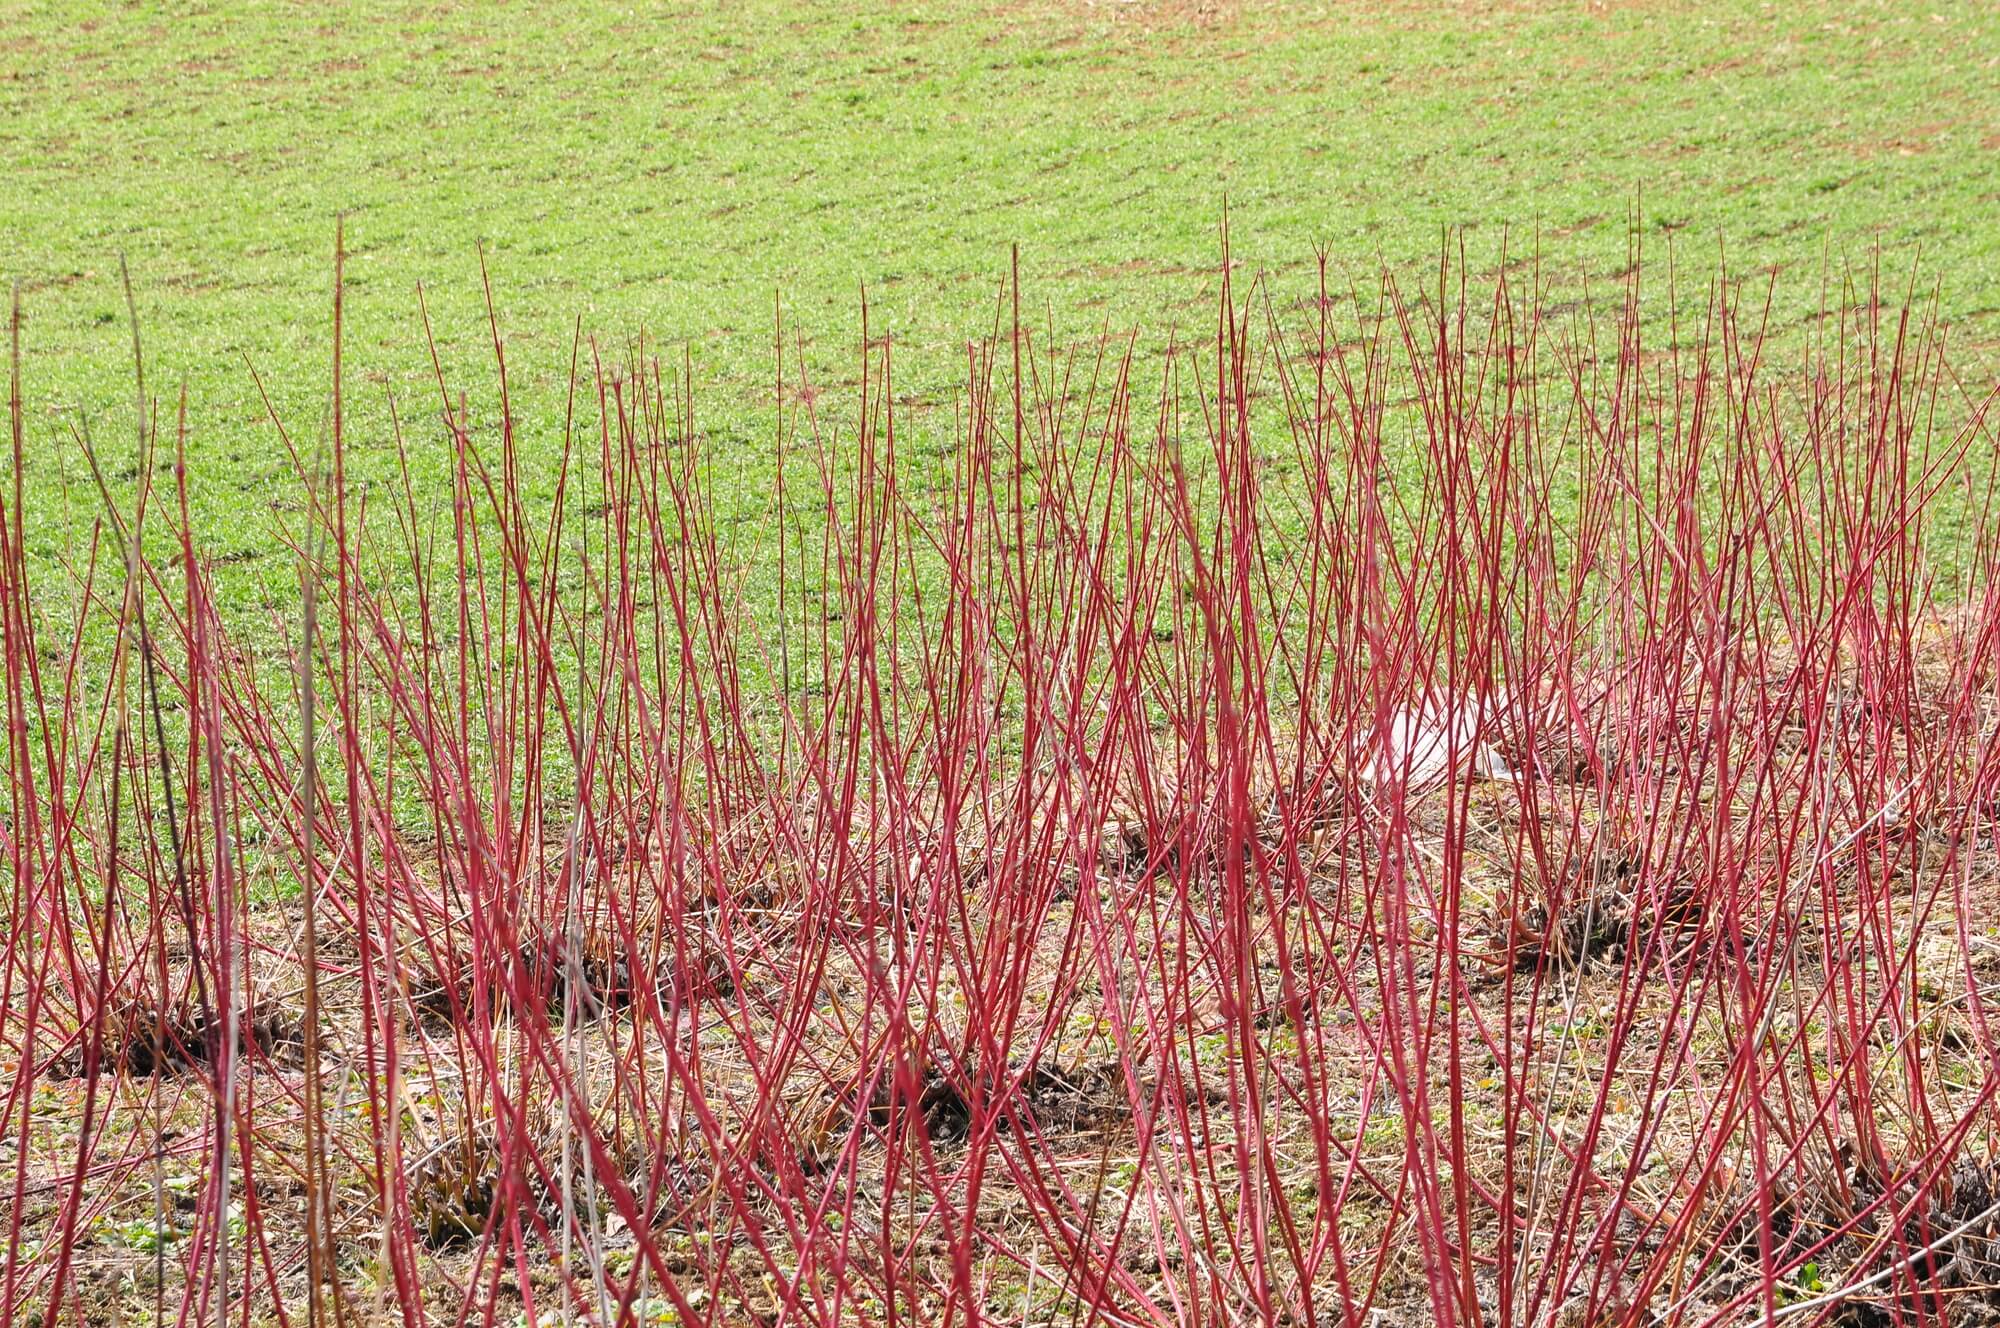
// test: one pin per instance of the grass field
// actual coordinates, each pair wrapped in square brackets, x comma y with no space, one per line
[674,171]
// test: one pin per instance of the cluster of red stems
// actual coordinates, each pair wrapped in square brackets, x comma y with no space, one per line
[712,912]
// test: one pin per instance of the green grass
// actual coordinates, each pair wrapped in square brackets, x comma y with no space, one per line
[672,172]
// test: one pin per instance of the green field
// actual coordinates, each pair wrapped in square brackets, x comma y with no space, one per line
[675,171]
